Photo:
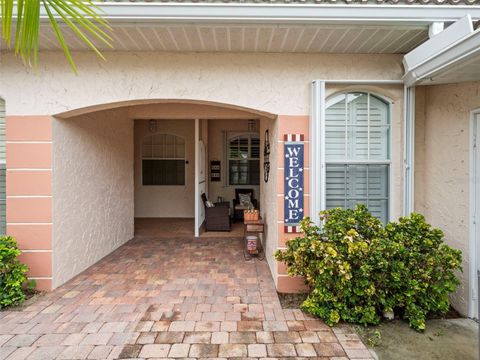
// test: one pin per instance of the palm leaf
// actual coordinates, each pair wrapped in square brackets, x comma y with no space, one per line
[82,17]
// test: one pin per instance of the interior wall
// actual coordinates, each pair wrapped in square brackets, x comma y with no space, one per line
[92,190]
[217,151]
[443,162]
[166,201]
[268,194]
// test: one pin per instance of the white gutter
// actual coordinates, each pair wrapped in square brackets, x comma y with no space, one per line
[441,56]
[284,13]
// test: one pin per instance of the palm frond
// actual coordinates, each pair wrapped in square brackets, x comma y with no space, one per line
[82,17]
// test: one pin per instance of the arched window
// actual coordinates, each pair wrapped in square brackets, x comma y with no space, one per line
[244,159]
[357,152]
[163,160]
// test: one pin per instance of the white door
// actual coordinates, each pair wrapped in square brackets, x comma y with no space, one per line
[475,210]
[200,179]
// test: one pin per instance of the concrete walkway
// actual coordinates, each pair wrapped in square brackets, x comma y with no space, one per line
[171,298]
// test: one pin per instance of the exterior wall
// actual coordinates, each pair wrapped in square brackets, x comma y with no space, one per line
[277,83]
[268,194]
[92,188]
[289,125]
[166,201]
[217,150]
[29,193]
[443,162]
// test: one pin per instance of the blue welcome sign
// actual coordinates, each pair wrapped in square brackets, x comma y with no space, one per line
[294,182]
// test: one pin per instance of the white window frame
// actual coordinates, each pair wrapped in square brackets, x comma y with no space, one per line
[323,164]
[166,158]
[231,136]
[473,298]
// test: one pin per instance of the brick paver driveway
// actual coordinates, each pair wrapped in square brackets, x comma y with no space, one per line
[175,298]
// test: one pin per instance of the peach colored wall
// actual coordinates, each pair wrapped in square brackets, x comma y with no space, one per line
[289,125]
[442,166]
[277,83]
[29,193]
[216,151]
[93,210]
[166,201]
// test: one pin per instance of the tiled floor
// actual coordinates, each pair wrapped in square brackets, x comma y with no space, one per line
[171,298]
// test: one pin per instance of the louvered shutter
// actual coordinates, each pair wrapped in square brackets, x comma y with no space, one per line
[357,131]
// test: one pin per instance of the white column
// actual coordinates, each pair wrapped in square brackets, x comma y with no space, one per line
[317,151]
[409,150]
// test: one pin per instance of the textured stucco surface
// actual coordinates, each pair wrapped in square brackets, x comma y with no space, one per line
[216,151]
[268,194]
[443,163]
[166,201]
[277,83]
[92,190]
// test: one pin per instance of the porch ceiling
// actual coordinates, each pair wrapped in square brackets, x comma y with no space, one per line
[212,37]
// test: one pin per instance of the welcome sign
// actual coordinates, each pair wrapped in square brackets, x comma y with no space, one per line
[294,182]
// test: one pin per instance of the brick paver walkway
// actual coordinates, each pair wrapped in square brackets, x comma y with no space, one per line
[179,298]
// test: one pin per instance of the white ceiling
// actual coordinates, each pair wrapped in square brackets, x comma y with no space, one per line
[200,37]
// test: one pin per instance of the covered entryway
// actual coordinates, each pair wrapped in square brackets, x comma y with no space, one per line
[144,160]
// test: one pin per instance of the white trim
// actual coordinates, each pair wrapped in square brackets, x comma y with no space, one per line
[40,277]
[316,161]
[282,13]
[444,57]
[474,265]
[409,151]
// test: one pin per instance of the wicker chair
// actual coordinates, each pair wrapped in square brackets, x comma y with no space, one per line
[239,209]
[216,218]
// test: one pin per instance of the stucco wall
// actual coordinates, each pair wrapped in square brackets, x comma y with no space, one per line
[92,190]
[166,201]
[444,165]
[268,194]
[277,83]
[216,151]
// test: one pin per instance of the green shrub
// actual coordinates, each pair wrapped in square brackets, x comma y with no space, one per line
[419,269]
[356,268]
[12,273]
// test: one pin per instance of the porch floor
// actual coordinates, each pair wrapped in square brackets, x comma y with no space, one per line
[175,298]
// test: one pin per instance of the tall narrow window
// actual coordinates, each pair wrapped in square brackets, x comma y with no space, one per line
[163,160]
[3,220]
[357,152]
[244,159]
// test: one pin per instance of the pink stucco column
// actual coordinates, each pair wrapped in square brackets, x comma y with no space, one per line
[29,192]
[290,125]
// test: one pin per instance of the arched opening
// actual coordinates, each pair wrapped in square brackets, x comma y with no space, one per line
[357,152]
[139,168]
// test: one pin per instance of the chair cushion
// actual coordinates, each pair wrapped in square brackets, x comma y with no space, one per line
[245,199]
[242,207]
